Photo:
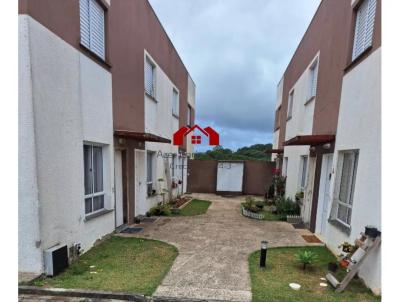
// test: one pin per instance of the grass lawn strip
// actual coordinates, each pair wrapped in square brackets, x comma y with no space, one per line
[118,264]
[195,207]
[269,216]
[272,284]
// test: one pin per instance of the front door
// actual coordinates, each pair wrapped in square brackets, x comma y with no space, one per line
[120,188]
[140,182]
[308,192]
[324,193]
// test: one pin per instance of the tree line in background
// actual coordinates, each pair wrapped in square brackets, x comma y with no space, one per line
[253,152]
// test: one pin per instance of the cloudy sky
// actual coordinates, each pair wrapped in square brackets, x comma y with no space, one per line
[236,52]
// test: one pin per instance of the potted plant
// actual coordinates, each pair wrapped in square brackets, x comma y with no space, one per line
[346,247]
[344,263]
[332,267]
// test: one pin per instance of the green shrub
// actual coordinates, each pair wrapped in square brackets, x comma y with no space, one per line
[251,205]
[306,258]
[286,206]
[259,203]
[160,210]
[271,192]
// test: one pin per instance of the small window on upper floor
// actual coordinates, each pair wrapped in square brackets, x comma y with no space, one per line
[189,116]
[364,27]
[290,105]
[149,78]
[92,26]
[175,103]
[277,118]
[312,92]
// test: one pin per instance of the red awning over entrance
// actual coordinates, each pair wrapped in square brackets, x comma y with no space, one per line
[309,140]
[141,136]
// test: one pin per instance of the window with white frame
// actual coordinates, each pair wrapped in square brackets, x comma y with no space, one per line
[175,102]
[313,79]
[347,170]
[189,116]
[150,173]
[92,26]
[285,166]
[304,168]
[173,166]
[290,104]
[149,78]
[93,178]
[364,27]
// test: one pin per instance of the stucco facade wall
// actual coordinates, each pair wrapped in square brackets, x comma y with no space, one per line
[29,255]
[69,94]
[160,121]
[301,123]
[275,139]
[359,127]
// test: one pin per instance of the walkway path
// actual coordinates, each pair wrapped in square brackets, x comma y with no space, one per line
[213,250]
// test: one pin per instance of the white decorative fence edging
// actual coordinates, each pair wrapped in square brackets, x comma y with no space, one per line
[252,215]
[294,219]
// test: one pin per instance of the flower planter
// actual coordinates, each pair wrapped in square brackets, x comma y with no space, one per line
[252,215]
[344,263]
[332,267]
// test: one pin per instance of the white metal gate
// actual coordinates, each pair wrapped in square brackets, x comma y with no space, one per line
[230,176]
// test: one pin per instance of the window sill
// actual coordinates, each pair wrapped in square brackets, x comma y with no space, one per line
[150,96]
[358,59]
[340,226]
[98,214]
[104,63]
[309,100]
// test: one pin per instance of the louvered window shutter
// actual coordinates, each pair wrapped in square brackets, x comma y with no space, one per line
[84,22]
[96,28]
[364,28]
[92,26]
[149,78]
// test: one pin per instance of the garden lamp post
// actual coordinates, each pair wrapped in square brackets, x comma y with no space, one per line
[263,254]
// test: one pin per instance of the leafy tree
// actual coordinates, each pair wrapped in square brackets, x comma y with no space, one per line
[253,152]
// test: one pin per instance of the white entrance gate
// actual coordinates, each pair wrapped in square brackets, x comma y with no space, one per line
[140,183]
[230,176]
[324,193]
[118,189]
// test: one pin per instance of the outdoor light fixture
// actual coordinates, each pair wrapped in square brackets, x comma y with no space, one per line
[312,149]
[326,146]
[263,254]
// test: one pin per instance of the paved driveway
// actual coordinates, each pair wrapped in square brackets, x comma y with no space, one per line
[213,250]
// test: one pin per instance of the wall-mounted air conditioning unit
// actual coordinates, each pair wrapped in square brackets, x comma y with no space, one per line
[55,260]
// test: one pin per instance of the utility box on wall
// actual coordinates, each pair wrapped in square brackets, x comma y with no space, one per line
[230,176]
[55,260]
